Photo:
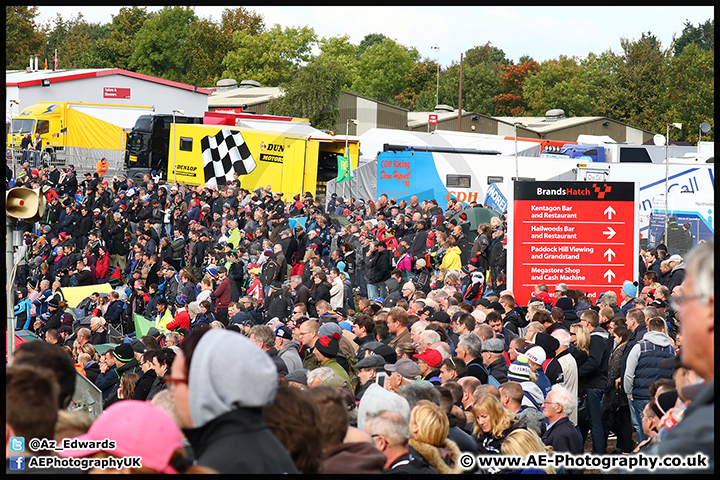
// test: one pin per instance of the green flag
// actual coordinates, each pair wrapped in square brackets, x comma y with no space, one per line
[142,325]
[343,169]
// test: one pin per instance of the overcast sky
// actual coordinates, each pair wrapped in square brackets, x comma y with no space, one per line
[541,32]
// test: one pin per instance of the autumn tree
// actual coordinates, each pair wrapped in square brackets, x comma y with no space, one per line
[213,40]
[22,36]
[510,101]
[421,86]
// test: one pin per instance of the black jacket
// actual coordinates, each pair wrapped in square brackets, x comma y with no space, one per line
[143,385]
[410,463]
[240,442]
[563,437]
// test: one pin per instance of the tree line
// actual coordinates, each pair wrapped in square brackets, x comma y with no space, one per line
[645,84]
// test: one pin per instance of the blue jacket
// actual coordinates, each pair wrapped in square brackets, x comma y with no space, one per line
[22,312]
[114,312]
[642,364]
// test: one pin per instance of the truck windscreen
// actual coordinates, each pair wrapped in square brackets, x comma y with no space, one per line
[137,141]
[23,125]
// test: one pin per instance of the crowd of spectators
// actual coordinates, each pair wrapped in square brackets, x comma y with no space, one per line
[293,336]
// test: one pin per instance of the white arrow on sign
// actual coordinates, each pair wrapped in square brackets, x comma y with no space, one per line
[610,232]
[609,254]
[609,274]
[610,211]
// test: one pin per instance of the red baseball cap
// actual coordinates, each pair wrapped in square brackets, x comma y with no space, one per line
[430,356]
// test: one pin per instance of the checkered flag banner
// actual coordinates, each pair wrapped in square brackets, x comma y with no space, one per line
[224,154]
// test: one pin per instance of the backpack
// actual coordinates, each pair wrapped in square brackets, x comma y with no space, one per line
[491,380]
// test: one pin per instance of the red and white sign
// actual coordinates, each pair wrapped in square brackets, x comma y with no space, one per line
[583,234]
[432,119]
[116,92]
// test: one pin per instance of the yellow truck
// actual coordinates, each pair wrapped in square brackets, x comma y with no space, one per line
[291,157]
[66,127]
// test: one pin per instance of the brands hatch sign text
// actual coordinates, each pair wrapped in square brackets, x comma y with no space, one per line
[583,234]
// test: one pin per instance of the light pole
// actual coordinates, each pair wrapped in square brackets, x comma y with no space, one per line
[437,87]
[12,135]
[181,112]
[667,171]
[347,134]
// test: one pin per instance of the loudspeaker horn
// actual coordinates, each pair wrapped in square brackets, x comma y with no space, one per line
[25,204]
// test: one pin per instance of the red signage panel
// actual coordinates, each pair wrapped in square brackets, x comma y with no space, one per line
[582,234]
[432,119]
[116,92]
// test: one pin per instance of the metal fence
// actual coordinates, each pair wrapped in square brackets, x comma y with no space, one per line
[82,159]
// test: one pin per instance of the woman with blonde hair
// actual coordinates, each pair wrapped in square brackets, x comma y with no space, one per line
[580,342]
[429,428]
[524,443]
[493,423]
[90,350]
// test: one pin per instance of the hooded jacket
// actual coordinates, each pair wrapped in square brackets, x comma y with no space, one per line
[445,459]
[290,354]
[354,457]
[642,364]
[229,434]
[451,259]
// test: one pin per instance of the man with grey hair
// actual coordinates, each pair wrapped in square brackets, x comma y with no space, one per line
[420,390]
[560,433]
[469,350]
[609,299]
[264,337]
[172,339]
[560,290]
[427,338]
[319,376]
[193,310]
[568,364]
[391,433]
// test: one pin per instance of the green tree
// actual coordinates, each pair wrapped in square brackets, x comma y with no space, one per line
[370,40]
[510,101]
[341,50]
[314,93]
[23,36]
[272,57]
[637,95]
[383,70]
[703,36]
[162,46]
[690,84]
[560,83]
[600,75]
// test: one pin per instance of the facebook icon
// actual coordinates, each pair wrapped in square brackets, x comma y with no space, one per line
[17,462]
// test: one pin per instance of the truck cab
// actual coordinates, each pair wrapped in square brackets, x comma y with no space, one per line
[42,118]
[148,143]
[588,153]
